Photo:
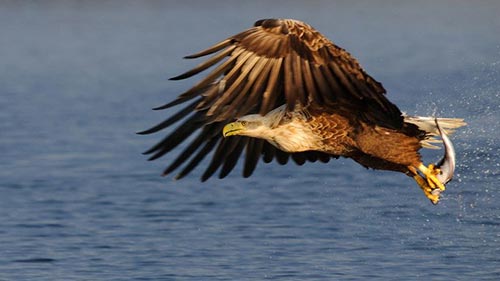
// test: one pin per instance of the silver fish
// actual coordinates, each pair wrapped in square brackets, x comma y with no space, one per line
[447,164]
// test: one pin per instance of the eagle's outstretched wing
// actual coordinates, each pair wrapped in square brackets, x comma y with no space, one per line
[275,62]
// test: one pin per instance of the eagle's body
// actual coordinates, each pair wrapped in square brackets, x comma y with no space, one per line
[336,134]
[282,90]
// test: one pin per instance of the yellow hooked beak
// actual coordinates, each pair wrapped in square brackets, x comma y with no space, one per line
[233,128]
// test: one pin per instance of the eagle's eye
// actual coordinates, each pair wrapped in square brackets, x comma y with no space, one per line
[244,123]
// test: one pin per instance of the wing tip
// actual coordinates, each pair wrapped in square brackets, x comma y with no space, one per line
[170,104]
[211,50]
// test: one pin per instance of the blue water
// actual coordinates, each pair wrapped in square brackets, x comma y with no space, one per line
[79,202]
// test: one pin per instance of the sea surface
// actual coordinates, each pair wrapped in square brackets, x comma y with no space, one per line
[78,201]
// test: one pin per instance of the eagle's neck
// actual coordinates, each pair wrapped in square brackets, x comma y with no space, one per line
[294,136]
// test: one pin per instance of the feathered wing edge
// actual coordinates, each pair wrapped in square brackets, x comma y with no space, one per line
[273,63]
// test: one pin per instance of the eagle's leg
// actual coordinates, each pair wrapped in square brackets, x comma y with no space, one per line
[430,173]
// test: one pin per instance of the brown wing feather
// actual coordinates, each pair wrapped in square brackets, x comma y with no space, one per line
[273,63]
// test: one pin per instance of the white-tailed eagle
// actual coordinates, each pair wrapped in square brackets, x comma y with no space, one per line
[281,90]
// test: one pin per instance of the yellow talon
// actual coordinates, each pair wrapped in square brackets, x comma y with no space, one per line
[430,174]
[429,192]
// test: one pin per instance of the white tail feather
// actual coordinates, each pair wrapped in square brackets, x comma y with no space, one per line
[428,124]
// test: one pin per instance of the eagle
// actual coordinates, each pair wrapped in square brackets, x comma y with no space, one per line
[281,90]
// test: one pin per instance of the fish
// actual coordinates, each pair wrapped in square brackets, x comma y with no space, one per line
[446,165]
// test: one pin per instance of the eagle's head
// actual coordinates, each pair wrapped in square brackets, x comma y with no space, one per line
[253,125]
[285,130]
